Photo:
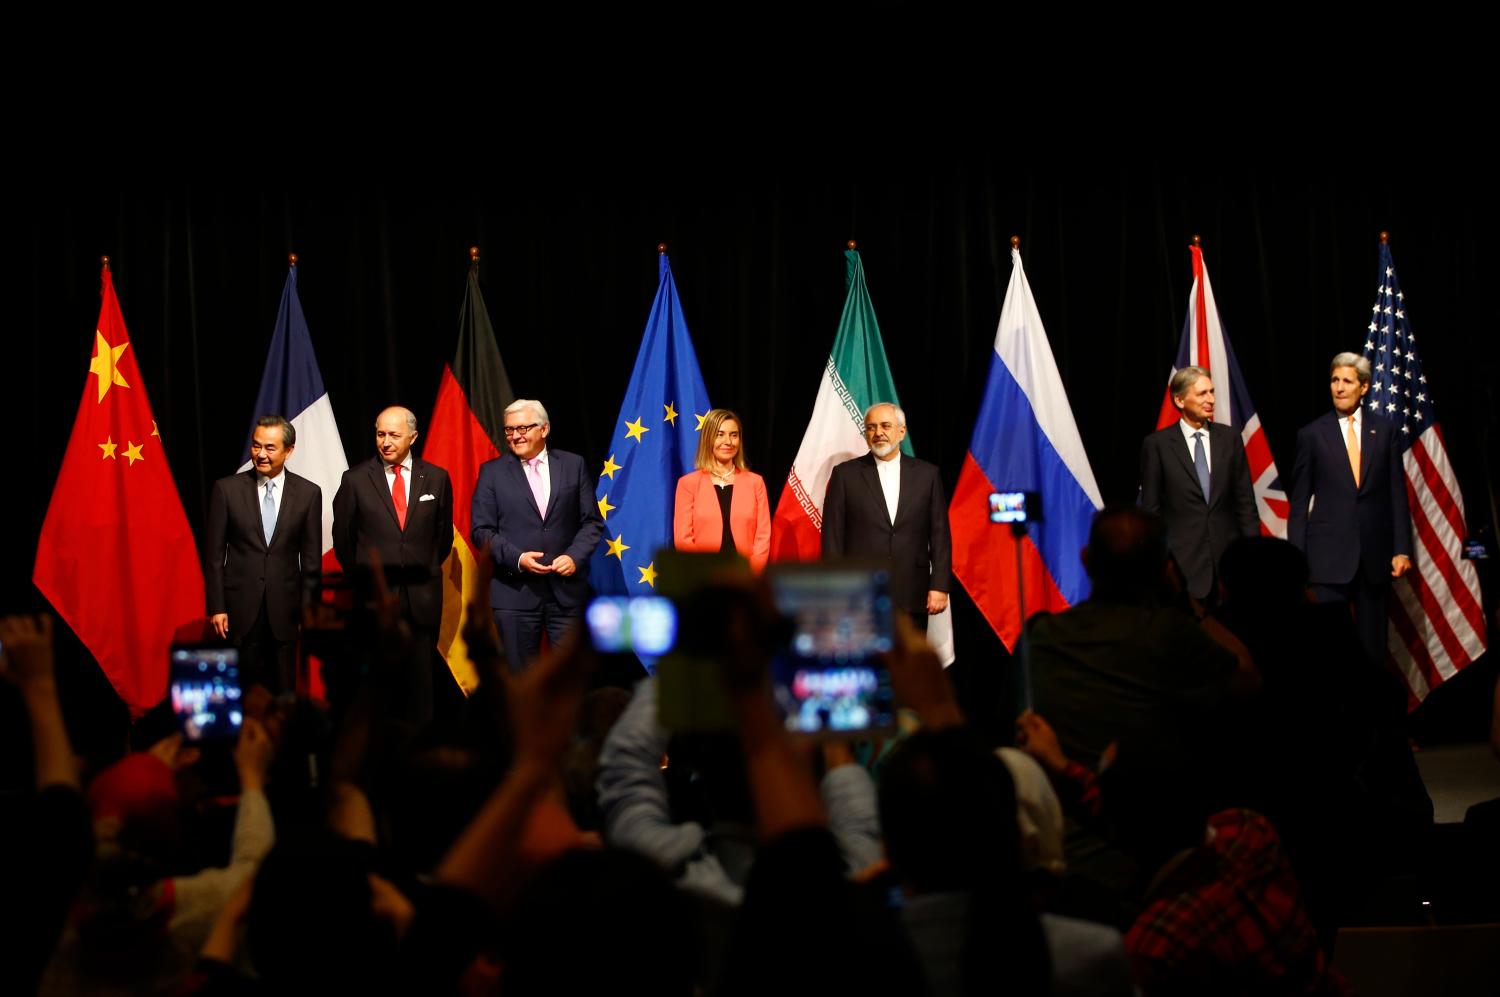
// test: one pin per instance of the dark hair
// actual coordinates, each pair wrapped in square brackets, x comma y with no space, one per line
[592,921]
[1127,552]
[310,925]
[948,809]
[288,431]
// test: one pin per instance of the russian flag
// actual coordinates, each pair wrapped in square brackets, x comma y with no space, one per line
[1204,344]
[1025,440]
[292,387]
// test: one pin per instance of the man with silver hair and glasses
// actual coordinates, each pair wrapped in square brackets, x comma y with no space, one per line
[1349,511]
[535,514]
[1195,476]
[889,506]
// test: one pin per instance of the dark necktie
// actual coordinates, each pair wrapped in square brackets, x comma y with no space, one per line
[1200,461]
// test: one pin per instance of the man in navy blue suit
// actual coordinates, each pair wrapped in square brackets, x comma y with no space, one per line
[535,513]
[1349,510]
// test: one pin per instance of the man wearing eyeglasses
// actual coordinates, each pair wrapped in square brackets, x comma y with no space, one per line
[534,512]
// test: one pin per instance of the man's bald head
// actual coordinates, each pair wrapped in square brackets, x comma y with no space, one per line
[395,432]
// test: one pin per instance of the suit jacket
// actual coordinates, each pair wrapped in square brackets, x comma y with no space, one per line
[364,519]
[1344,529]
[507,524]
[917,544]
[1199,529]
[697,523]
[240,569]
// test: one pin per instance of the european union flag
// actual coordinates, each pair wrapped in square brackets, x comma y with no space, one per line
[655,442]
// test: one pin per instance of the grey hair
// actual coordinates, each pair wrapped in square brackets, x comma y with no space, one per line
[1360,364]
[288,431]
[900,415]
[1182,382]
[411,417]
[521,404]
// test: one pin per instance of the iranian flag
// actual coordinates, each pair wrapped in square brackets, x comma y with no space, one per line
[856,376]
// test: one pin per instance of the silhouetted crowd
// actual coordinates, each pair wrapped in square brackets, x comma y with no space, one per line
[1195,801]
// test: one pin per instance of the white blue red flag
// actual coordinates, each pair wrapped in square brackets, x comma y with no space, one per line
[1204,344]
[1025,440]
[1437,612]
[292,387]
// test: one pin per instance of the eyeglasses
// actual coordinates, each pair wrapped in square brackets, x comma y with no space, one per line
[521,430]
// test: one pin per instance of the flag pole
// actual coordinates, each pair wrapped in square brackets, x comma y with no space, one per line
[1018,533]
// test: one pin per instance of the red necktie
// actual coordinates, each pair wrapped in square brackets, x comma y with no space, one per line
[398,496]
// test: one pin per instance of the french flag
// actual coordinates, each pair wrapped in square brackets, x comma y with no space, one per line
[1205,345]
[292,387]
[1024,441]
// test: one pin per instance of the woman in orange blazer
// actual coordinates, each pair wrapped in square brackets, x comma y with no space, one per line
[722,493]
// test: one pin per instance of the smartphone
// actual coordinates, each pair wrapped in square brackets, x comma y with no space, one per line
[644,625]
[828,680]
[205,691]
[1015,507]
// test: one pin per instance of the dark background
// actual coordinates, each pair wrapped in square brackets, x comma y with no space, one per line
[569,269]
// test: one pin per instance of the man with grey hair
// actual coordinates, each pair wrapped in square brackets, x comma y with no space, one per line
[1348,509]
[535,514]
[1196,477]
[401,508]
[889,506]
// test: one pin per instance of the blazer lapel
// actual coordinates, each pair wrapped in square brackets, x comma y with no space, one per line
[552,488]
[377,479]
[1335,439]
[1185,458]
[872,481]
[1372,439]
[417,489]
[517,472]
[251,492]
[1218,460]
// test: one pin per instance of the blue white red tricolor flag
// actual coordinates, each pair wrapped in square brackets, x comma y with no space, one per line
[292,387]
[1025,440]
[1437,612]
[1204,344]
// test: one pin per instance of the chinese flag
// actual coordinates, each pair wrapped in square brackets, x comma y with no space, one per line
[116,557]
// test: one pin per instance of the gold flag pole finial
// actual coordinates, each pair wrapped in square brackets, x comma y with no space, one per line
[1198,240]
[1015,242]
[661,247]
[473,254]
[291,259]
[104,260]
[1385,238]
[852,244]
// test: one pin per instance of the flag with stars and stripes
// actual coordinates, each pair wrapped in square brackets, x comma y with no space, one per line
[655,442]
[1437,613]
[1205,344]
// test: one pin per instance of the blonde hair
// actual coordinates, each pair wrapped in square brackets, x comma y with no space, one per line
[715,418]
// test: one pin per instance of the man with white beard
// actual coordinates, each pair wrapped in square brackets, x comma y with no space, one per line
[889,506]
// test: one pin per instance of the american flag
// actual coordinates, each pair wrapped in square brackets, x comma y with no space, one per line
[1437,614]
[1205,344]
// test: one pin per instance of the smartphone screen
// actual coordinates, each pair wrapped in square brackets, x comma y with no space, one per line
[644,625]
[205,691]
[829,680]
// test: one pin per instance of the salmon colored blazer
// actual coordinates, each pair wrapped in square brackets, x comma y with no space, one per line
[697,523]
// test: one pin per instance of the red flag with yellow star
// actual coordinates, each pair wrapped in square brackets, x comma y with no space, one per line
[116,556]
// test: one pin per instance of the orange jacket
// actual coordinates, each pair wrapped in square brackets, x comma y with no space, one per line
[697,523]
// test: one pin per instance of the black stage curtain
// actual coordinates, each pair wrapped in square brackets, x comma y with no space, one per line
[569,268]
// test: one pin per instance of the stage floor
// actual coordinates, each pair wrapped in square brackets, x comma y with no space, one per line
[1457,777]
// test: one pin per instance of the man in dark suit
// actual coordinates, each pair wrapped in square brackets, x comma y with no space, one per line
[1349,511]
[265,529]
[889,506]
[535,513]
[402,508]
[1195,476]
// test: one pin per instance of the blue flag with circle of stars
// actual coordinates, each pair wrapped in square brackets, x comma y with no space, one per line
[655,442]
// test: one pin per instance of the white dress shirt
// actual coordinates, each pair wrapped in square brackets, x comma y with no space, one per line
[890,482]
[390,480]
[1187,434]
